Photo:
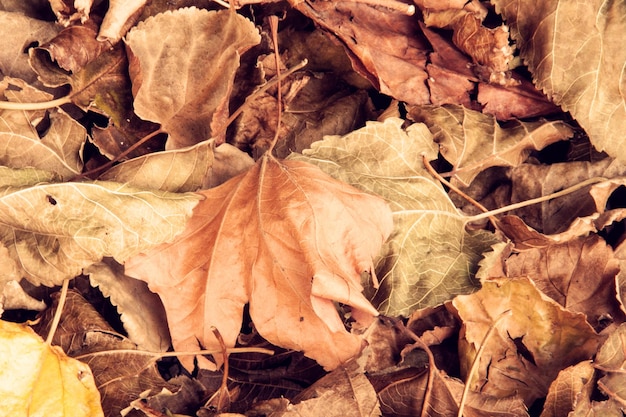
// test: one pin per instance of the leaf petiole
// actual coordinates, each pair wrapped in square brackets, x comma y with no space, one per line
[42,105]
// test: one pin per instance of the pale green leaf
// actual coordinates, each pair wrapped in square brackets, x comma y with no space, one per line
[53,230]
[575,52]
[180,170]
[430,257]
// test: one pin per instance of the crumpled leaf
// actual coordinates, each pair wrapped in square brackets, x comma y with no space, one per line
[430,257]
[344,392]
[488,47]
[189,169]
[59,149]
[578,274]
[184,81]
[571,390]
[612,360]
[283,237]
[472,141]
[140,310]
[18,32]
[575,54]
[384,45]
[53,230]
[530,344]
[39,379]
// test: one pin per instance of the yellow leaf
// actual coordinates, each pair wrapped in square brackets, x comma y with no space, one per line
[37,379]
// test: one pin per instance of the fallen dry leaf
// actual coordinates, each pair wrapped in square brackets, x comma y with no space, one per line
[53,230]
[173,80]
[578,274]
[384,45]
[531,343]
[570,391]
[180,170]
[39,379]
[472,141]
[59,149]
[430,257]
[283,237]
[18,31]
[575,55]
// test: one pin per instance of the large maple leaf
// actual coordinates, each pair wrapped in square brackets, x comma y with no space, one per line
[285,238]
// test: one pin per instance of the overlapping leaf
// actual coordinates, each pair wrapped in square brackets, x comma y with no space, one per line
[430,257]
[533,340]
[576,55]
[53,230]
[472,141]
[184,81]
[285,238]
[39,379]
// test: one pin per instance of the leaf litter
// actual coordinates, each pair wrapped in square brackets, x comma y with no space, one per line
[133,143]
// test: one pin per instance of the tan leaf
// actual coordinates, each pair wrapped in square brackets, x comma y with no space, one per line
[182,80]
[575,53]
[529,346]
[570,390]
[472,141]
[53,230]
[140,310]
[37,379]
[612,360]
[283,237]
[180,170]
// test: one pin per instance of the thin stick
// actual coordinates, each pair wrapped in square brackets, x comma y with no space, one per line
[532,201]
[57,314]
[476,362]
[41,105]
[160,355]
[120,156]
[454,188]
[279,95]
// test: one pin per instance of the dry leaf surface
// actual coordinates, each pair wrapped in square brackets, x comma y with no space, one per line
[283,237]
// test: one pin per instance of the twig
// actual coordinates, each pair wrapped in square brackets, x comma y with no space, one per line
[41,105]
[57,314]
[532,201]
[279,95]
[454,188]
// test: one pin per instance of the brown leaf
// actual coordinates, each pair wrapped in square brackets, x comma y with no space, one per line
[284,237]
[612,359]
[184,80]
[384,46]
[578,274]
[72,49]
[575,53]
[529,345]
[571,389]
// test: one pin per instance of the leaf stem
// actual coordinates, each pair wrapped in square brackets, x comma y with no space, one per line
[57,314]
[279,94]
[454,188]
[42,105]
[537,200]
